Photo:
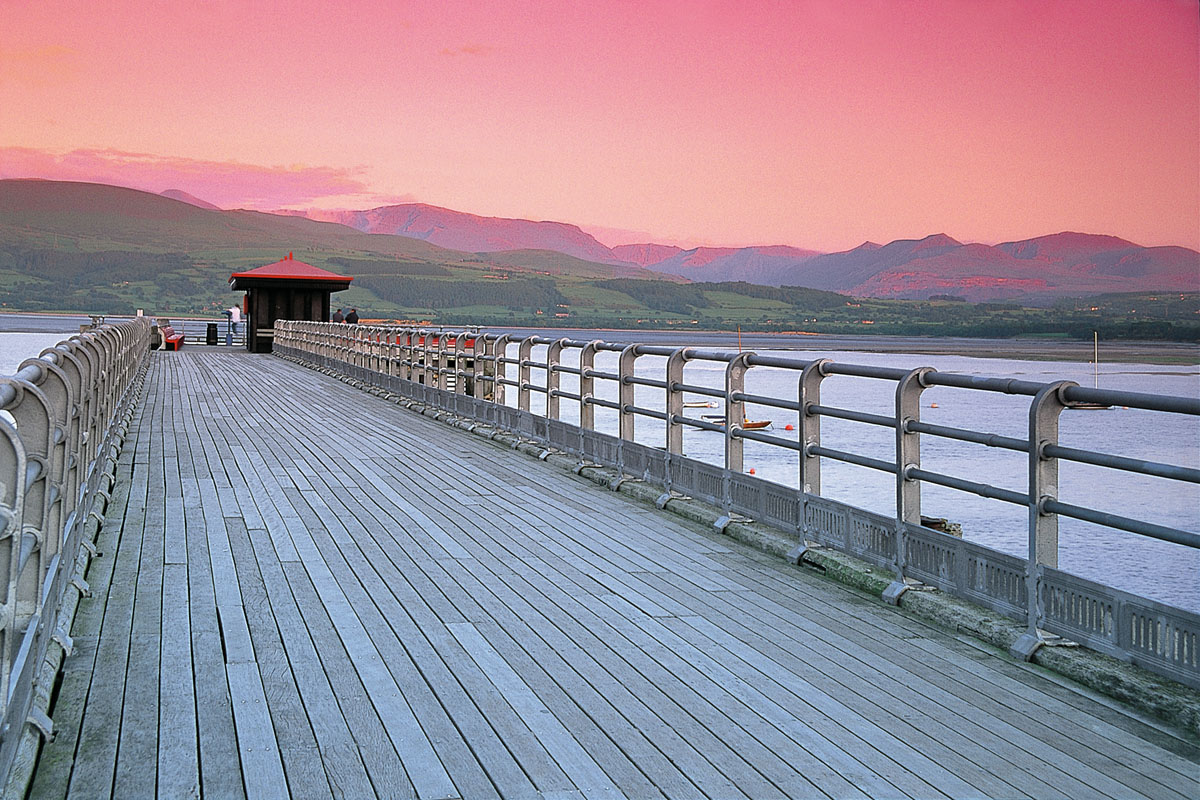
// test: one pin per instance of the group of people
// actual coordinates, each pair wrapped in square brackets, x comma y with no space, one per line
[351,316]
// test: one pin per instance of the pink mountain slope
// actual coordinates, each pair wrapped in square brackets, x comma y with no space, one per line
[1064,264]
[472,233]
[645,254]
[184,197]
[765,265]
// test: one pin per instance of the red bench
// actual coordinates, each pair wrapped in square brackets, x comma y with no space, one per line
[171,339]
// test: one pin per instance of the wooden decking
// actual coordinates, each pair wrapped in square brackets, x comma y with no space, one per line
[308,591]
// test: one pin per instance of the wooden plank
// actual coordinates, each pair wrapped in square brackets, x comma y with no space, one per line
[262,769]
[387,623]
[928,737]
[137,754]
[445,711]
[416,753]
[373,743]
[95,759]
[293,732]
[1007,731]
[53,773]
[572,636]
[340,756]
[221,773]
[583,771]
[606,738]
[178,751]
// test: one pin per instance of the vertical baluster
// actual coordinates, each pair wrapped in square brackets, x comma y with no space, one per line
[735,413]
[908,489]
[524,353]
[675,363]
[587,386]
[553,376]
[1044,413]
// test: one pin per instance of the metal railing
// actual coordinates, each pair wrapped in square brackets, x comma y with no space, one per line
[68,410]
[468,373]
[195,331]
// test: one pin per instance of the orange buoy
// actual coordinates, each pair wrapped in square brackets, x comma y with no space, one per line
[752,470]
[933,405]
[788,427]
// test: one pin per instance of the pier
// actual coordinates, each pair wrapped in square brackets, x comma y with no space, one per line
[303,589]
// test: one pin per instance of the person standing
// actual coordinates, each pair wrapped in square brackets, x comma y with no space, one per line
[235,317]
[352,317]
[337,316]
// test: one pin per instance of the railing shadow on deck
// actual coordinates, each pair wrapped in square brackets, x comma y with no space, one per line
[68,411]
[466,373]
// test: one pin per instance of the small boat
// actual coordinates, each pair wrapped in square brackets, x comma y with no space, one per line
[750,424]
[699,404]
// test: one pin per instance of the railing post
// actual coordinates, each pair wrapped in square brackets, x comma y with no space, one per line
[587,385]
[735,414]
[425,342]
[1044,412]
[56,390]
[34,421]
[460,362]
[524,353]
[908,489]
[479,366]
[626,365]
[808,425]
[440,360]
[500,366]
[675,363]
[407,350]
[72,374]
[12,515]
[553,377]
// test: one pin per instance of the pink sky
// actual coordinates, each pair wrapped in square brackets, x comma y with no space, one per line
[815,123]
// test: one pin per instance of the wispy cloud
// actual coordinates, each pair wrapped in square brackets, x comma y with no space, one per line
[468,49]
[228,184]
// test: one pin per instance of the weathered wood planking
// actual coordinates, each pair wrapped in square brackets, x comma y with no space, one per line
[307,591]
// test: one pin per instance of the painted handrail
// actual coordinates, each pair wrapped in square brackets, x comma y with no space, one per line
[67,412]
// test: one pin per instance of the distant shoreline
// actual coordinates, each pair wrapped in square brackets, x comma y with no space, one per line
[1116,351]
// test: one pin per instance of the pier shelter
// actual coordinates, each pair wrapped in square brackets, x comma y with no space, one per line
[287,289]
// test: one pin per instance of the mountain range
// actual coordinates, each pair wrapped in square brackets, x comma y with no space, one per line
[1031,271]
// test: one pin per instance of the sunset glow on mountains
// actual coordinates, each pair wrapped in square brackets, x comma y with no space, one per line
[813,124]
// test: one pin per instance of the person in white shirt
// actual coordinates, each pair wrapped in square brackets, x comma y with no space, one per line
[235,317]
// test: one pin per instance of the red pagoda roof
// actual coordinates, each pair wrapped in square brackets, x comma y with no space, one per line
[290,269]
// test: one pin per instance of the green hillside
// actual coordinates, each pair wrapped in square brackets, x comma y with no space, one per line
[90,247]
[101,249]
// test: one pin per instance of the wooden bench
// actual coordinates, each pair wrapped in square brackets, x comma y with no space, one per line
[171,339]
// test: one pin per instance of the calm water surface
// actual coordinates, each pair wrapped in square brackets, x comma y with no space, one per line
[1159,570]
